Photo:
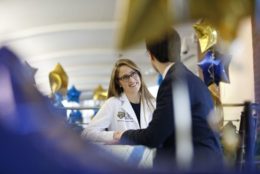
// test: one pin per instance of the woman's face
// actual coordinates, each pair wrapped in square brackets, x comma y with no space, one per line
[129,79]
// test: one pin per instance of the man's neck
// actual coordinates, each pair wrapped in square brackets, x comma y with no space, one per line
[162,66]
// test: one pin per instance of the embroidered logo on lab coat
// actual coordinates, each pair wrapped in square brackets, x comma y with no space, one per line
[123,116]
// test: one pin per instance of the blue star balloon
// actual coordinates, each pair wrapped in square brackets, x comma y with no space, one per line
[221,69]
[215,68]
[73,94]
[75,117]
[206,64]
[75,121]
[57,97]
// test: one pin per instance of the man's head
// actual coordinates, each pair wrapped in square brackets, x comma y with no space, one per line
[167,48]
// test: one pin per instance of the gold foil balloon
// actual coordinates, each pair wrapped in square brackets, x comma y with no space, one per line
[58,80]
[230,142]
[143,19]
[206,34]
[100,93]
[224,15]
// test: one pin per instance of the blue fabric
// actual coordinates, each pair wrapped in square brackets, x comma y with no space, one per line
[136,155]
[34,138]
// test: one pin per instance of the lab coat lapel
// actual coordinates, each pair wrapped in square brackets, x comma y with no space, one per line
[144,120]
[129,109]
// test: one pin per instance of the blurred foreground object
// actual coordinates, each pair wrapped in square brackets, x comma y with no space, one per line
[31,71]
[35,140]
[150,19]
[145,19]
[247,137]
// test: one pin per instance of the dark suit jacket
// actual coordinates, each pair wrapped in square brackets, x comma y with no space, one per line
[161,131]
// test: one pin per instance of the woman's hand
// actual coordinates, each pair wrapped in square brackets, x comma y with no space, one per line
[117,135]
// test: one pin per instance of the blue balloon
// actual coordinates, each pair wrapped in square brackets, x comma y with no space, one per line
[73,94]
[75,121]
[75,117]
[215,68]
[57,97]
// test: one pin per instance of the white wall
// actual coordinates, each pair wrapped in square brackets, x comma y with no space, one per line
[241,87]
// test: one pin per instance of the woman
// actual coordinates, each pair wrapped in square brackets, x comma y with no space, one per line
[129,106]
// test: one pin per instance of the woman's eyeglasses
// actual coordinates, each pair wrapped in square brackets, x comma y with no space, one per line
[126,78]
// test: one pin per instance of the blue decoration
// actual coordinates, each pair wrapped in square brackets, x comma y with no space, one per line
[159,79]
[75,117]
[57,97]
[29,128]
[73,94]
[15,82]
[215,68]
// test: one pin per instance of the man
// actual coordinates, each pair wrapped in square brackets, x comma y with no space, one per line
[165,57]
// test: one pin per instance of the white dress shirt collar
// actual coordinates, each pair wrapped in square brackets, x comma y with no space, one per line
[166,70]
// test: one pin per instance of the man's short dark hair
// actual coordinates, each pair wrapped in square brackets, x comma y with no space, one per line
[167,48]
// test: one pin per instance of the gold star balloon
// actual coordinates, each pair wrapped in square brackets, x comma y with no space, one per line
[206,34]
[143,19]
[230,142]
[58,80]
[224,15]
[100,93]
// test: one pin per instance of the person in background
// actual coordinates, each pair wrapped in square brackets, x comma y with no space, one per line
[129,105]
[161,132]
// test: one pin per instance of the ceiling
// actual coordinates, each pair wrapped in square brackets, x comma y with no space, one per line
[80,35]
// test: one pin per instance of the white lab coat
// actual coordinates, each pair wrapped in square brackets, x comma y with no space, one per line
[116,114]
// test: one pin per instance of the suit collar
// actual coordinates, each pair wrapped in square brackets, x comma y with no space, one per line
[176,70]
[167,69]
